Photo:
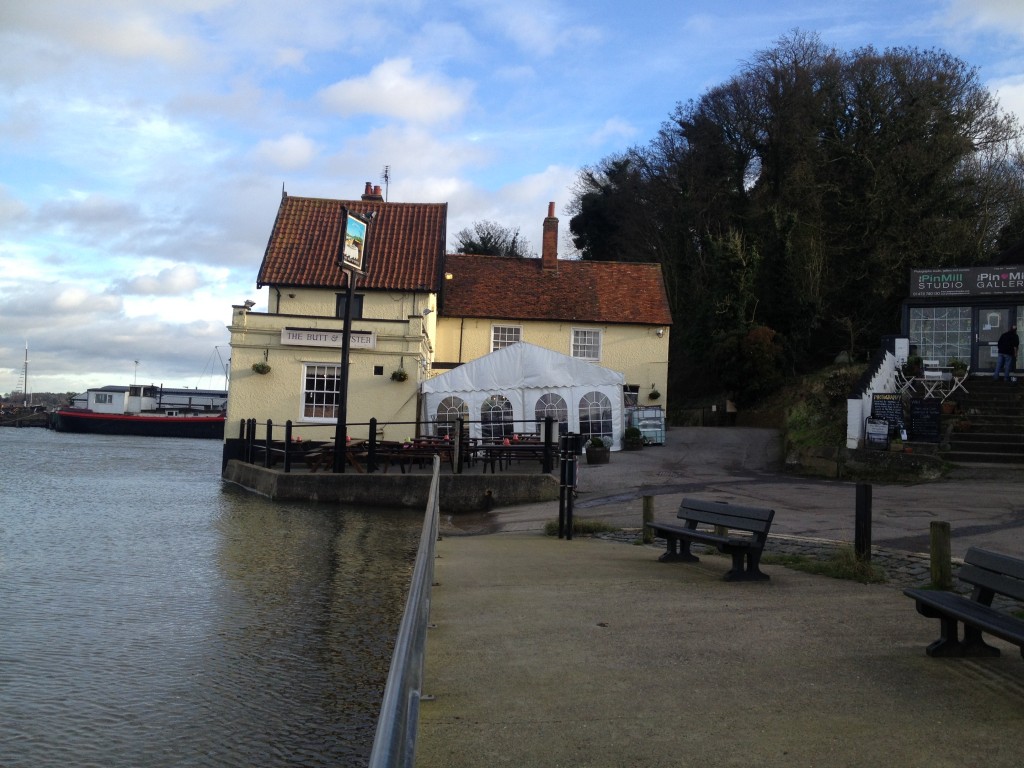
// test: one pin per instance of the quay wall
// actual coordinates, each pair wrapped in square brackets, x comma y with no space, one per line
[458,493]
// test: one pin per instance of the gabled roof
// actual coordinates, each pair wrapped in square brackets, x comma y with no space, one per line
[580,291]
[522,366]
[406,244]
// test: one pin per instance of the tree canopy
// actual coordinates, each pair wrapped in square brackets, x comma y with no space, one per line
[796,196]
[487,238]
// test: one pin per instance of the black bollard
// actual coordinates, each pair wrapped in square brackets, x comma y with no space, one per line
[862,524]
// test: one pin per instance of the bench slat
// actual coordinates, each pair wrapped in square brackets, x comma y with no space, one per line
[751,514]
[987,619]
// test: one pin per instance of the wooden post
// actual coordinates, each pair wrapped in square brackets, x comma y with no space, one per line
[648,536]
[941,559]
[862,524]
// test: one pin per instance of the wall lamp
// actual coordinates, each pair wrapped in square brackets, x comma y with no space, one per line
[427,311]
[660,332]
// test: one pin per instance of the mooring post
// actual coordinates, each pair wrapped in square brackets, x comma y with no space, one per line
[648,513]
[862,523]
[941,557]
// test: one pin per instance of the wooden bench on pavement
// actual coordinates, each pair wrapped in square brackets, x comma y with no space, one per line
[735,530]
[990,574]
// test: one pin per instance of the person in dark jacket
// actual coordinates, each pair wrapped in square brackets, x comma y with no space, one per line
[1007,348]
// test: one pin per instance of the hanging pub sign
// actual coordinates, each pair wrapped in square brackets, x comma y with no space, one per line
[353,242]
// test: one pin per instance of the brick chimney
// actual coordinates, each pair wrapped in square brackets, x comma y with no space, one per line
[373,193]
[549,244]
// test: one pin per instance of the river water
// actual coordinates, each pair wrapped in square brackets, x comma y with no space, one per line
[151,615]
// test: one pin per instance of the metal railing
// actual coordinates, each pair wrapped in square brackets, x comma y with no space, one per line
[395,740]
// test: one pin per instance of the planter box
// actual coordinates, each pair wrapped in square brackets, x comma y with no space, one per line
[598,455]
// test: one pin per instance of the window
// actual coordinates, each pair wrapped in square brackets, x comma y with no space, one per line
[104,398]
[357,306]
[551,405]
[320,392]
[586,344]
[595,416]
[496,417]
[449,411]
[941,333]
[505,335]
[630,395]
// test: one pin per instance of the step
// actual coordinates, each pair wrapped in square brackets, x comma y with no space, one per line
[961,457]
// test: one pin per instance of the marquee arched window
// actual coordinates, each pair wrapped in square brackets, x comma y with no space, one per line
[553,405]
[496,418]
[449,411]
[596,416]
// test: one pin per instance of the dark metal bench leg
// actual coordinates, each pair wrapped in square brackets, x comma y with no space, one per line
[974,645]
[948,644]
[677,551]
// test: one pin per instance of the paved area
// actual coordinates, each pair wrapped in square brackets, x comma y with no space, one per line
[589,652]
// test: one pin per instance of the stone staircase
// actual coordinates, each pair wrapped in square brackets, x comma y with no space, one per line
[995,412]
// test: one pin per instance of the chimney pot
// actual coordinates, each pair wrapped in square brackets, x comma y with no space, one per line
[369,189]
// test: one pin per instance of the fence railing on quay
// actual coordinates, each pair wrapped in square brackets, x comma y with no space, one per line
[270,444]
[394,743]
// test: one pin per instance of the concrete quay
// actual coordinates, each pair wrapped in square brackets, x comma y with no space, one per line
[590,652]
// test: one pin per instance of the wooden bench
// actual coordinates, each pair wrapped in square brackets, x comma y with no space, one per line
[752,523]
[991,574]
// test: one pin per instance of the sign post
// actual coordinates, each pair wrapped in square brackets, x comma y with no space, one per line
[352,260]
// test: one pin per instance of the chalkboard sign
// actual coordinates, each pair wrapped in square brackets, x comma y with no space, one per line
[925,419]
[888,406]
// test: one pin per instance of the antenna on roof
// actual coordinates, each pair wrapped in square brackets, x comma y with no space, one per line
[385,176]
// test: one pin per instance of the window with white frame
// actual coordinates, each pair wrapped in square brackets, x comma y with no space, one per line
[104,398]
[496,417]
[505,336]
[596,415]
[320,392]
[586,344]
[553,405]
[449,411]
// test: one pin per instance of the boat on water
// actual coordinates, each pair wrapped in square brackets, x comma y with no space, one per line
[147,410]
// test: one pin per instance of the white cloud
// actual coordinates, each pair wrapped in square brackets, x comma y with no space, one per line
[392,89]
[288,153]
[178,280]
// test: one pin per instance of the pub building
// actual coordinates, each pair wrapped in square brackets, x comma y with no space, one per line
[961,313]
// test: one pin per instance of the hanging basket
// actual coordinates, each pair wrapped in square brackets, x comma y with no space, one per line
[261,368]
[399,375]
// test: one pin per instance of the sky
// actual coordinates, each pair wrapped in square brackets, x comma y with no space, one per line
[145,144]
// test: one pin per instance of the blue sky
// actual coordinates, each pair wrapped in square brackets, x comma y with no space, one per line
[144,143]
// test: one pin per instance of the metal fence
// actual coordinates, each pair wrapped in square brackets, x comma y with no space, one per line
[395,741]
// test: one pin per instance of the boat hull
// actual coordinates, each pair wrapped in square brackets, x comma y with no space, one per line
[204,427]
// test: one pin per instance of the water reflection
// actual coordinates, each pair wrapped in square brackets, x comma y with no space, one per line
[150,616]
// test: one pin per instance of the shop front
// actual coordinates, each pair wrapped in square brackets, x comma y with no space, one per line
[961,313]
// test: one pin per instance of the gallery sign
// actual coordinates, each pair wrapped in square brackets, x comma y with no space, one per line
[315,337]
[966,281]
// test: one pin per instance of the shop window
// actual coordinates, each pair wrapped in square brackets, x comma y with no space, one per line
[941,333]
[320,392]
[586,344]
[505,336]
[449,411]
[596,416]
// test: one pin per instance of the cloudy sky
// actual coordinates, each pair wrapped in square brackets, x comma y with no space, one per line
[144,143]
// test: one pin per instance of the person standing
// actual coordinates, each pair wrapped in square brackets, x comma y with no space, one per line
[1007,348]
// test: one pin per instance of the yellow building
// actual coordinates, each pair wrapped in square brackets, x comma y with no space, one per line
[418,312]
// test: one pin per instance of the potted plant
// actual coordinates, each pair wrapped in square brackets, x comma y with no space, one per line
[948,407]
[261,367]
[959,367]
[633,439]
[399,375]
[597,452]
[913,366]
[654,394]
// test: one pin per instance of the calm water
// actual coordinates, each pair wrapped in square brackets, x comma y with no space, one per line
[152,616]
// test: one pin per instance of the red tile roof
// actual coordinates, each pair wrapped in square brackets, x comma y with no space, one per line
[406,244]
[582,291]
